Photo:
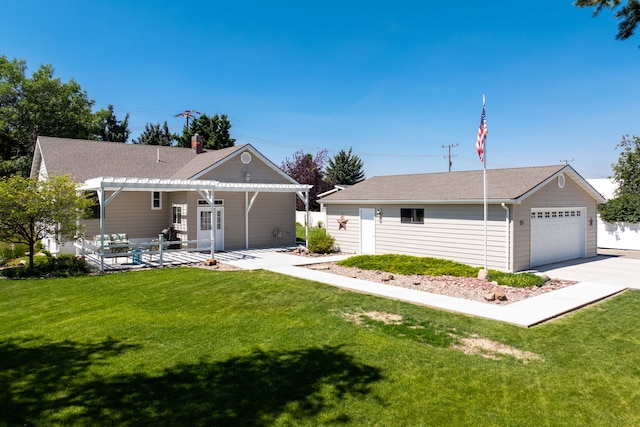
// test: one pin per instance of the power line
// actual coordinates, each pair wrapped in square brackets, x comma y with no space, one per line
[449,156]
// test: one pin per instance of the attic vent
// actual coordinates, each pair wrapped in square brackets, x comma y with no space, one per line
[245,157]
[561,180]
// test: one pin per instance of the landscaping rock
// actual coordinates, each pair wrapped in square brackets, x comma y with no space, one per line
[210,262]
[500,296]
[483,274]
[490,296]
[386,277]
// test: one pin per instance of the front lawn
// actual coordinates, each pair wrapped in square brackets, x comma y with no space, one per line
[186,346]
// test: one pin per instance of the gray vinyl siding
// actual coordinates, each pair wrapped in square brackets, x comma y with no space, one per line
[454,232]
[130,212]
[551,196]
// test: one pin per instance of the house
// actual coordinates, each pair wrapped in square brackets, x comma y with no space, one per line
[536,216]
[232,198]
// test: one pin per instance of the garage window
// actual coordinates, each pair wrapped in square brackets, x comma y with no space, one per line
[412,216]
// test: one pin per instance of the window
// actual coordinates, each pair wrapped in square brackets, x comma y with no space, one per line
[176,215]
[156,200]
[412,216]
[217,202]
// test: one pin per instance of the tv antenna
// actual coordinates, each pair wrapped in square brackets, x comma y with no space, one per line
[566,161]
[449,156]
[186,114]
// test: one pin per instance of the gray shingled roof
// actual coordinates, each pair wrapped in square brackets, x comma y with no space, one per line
[502,185]
[89,159]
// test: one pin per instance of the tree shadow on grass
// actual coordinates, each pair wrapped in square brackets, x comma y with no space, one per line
[254,389]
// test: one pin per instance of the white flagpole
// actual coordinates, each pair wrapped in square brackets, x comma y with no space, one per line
[484,176]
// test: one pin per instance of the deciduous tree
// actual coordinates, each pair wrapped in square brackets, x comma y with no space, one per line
[44,105]
[306,169]
[625,207]
[31,210]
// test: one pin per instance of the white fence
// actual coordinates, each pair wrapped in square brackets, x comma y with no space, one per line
[621,235]
[314,218]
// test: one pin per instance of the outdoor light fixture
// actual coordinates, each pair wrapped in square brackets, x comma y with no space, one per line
[379,214]
[247,177]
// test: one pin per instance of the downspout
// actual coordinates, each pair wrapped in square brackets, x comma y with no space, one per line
[508,237]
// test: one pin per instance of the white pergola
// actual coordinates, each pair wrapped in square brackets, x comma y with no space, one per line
[206,188]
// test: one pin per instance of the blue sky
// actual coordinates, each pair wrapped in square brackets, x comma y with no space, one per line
[395,81]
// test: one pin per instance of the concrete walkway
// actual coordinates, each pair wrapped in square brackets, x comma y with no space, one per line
[525,313]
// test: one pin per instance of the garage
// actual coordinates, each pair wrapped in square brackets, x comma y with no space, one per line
[557,234]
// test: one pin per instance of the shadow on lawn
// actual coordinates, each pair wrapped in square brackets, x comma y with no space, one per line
[45,384]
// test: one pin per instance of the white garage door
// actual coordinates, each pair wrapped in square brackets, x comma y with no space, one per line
[557,234]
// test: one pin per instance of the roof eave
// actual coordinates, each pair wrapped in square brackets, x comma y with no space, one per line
[156,184]
[419,202]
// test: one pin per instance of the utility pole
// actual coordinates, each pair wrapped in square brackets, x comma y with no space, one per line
[566,161]
[187,114]
[449,156]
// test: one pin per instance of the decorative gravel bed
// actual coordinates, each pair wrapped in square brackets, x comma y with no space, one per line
[460,287]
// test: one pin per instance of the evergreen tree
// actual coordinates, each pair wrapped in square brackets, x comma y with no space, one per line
[213,130]
[345,168]
[629,15]
[156,134]
[109,128]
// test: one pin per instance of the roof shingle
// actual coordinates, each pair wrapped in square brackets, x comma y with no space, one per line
[503,184]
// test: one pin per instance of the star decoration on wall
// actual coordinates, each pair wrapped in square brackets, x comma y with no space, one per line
[342,223]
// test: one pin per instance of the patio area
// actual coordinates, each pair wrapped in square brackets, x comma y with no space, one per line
[144,256]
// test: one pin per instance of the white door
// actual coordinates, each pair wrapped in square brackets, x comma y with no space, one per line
[205,223]
[557,234]
[367,231]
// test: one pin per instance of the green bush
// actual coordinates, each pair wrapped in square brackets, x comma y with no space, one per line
[625,208]
[321,243]
[9,251]
[61,266]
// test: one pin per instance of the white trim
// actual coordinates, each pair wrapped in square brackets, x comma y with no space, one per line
[149,184]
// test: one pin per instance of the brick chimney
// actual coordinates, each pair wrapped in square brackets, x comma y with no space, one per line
[196,143]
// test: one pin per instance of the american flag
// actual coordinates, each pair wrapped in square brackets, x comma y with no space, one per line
[482,133]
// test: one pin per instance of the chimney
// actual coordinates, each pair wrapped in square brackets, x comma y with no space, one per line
[197,143]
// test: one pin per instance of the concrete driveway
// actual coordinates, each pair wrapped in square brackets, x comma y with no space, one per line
[609,267]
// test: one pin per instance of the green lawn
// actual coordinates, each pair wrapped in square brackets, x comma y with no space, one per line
[300,232]
[189,346]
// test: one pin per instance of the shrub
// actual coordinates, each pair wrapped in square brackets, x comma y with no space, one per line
[625,208]
[9,251]
[321,243]
[61,266]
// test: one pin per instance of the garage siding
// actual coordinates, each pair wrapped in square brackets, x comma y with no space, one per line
[551,195]
[454,232]
[348,240]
